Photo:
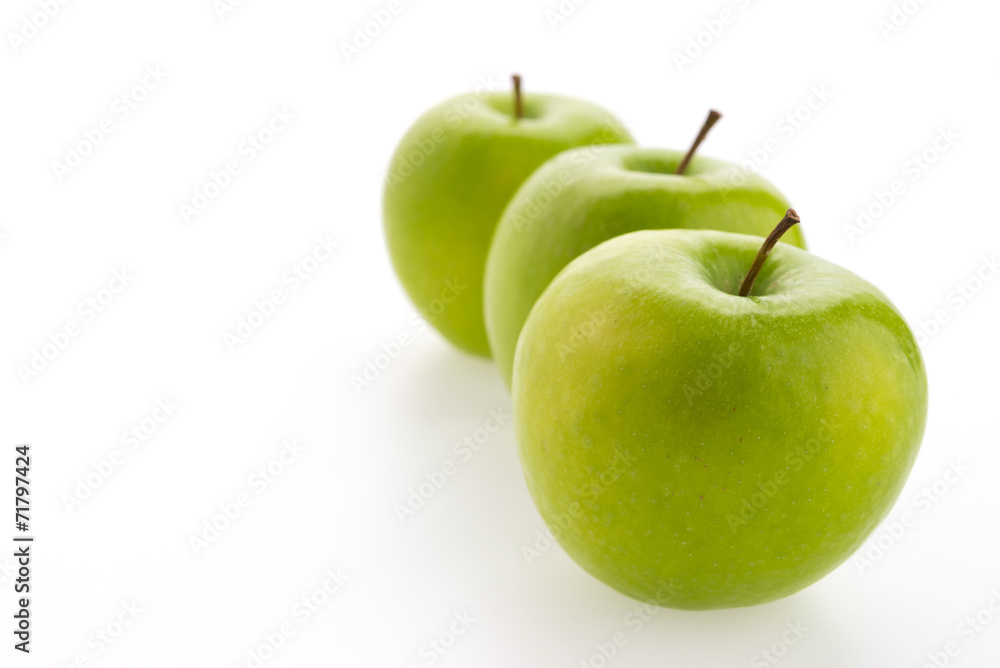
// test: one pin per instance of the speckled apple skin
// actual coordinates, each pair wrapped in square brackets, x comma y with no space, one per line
[727,450]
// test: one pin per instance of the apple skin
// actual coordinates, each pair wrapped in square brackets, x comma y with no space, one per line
[601,193]
[440,214]
[734,449]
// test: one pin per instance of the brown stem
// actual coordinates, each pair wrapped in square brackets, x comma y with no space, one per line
[713,116]
[791,218]
[518,102]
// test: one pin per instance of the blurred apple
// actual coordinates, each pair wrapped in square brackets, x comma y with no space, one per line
[449,181]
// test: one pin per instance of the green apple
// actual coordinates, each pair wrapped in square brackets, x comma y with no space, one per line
[449,181]
[727,450]
[587,196]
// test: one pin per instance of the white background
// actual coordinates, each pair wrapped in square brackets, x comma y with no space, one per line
[162,337]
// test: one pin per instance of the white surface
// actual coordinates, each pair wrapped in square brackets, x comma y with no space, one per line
[332,508]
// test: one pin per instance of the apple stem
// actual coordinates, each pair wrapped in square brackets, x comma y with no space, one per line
[518,102]
[713,117]
[791,218]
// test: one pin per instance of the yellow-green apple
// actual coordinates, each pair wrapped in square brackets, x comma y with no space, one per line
[589,195]
[451,177]
[736,447]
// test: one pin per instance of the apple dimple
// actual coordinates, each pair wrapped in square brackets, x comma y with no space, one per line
[662,164]
[534,106]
